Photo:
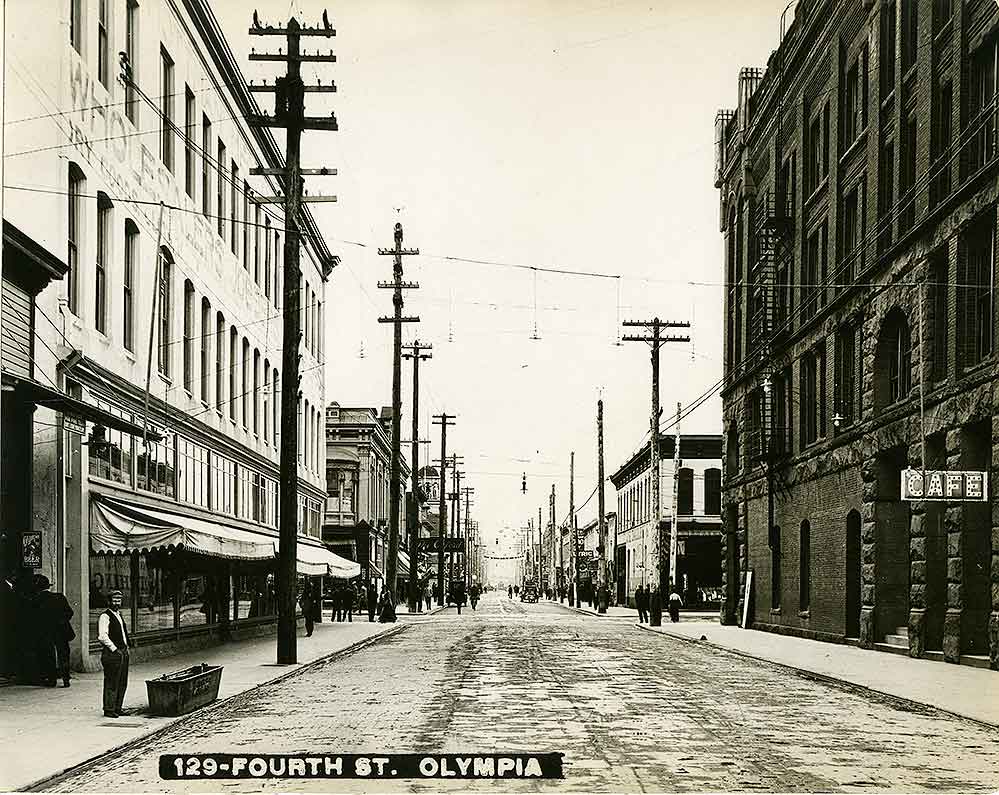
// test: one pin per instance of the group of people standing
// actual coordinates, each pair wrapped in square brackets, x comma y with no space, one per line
[643,600]
[347,598]
[41,618]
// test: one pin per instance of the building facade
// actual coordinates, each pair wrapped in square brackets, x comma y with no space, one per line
[139,181]
[858,204]
[358,479]
[698,494]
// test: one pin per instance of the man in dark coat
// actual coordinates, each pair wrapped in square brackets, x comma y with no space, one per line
[308,608]
[55,632]
[642,603]
[372,601]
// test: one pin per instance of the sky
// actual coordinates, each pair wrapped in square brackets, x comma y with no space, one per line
[569,134]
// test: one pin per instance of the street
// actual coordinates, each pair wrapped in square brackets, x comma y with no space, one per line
[630,710]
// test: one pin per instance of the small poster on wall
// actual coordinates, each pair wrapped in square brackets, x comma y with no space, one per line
[31,549]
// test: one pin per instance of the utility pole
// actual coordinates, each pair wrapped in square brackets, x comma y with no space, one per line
[456,525]
[467,491]
[289,112]
[541,559]
[416,353]
[656,340]
[674,529]
[397,285]
[573,550]
[443,420]
[602,595]
[557,536]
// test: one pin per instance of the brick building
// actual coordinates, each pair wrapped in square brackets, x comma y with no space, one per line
[858,204]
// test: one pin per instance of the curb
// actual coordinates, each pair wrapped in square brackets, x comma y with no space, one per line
[583,612]
[903,702]
[54,778]
[430,612]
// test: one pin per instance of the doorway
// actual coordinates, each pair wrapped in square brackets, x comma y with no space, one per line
[891,548]
[853,574]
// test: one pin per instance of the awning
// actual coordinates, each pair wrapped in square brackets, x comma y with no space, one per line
[403,564]
[32,391]
[122,527]
[315,560]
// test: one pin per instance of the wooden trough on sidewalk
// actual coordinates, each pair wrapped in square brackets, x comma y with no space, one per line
[184,691]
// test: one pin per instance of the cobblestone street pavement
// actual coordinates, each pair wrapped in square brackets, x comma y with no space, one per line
[631,711]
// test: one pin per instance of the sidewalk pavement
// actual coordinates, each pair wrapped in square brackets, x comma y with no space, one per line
[958,689]
[703,616]
[48,730]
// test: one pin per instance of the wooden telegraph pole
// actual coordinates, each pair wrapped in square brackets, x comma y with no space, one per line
[541,559]
[397,285]
[443,420]
[573,549]
[557,540]
[289,112]
[467,491]
[656,340]
[416,353]
[602,594]
[674,528]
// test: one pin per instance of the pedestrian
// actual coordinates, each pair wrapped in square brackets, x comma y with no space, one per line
[386,607]
[426,595]
[473,596]
[113,635]
[348,601]
[372,600]
[459,595]
[54,632]
[675,603]
[308,607]
[509,592]
[642,604]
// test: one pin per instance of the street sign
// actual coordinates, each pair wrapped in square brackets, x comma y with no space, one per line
[932,485]
[435,544]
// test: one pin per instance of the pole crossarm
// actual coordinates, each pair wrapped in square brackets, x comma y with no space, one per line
[406,252]
[259,171]
[399,285]
[670,338]
[319,88]
[656,322]
[407,319]
[281,199]
[302,58]
[306,123]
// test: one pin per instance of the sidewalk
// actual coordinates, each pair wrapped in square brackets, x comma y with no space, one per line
[958,689]
[703,616]
[48,730]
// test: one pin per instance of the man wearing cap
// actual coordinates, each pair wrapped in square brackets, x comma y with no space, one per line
[113,635]
[55,631]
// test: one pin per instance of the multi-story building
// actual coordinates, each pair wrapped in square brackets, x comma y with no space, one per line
[358,480]
[146,384]
[858,204]
[698,510]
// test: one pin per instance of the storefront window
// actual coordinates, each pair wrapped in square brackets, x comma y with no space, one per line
[192,472]
[112,460]
[254,596]
[223,484]
[109,573]
[158,476]
[246,501]
[154,609]
[200,600]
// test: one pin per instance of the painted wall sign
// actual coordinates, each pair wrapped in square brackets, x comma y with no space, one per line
[967,485]
[31,549]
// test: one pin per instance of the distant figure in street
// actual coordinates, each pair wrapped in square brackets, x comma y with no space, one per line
[113,635]
[473,595]
[458,595]
[54,632]
[426,595]
[308,603]
[642,603]
[386,608]
[675,603]
[372,601]
[349,599]
[509,592]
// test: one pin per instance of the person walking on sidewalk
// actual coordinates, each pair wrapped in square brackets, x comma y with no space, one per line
[113,635]
[642,603]
[675,603]
[54,614]
[509,592]
[308,603]
[372,601]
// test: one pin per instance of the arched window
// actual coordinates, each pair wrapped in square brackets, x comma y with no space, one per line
[275,404]
[102,262]
[188,334]
[775,568]
[256,391]
[893,361]
[267,400]
[245,393]
[76,188]
[233,365]
[804,565]
[166,310]
[219,362]
[685,492]
[206,349]
[131,269]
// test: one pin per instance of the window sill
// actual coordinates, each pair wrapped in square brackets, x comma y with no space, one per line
[804,614]
[817,192]
[855,146]
[775,611]
[887,100]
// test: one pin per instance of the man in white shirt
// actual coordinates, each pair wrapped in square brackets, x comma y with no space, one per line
[113,635]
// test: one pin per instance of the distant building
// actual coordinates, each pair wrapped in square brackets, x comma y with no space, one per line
[358,479]
[699,558]
[858,196]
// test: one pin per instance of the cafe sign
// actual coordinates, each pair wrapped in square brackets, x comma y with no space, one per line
[966,485]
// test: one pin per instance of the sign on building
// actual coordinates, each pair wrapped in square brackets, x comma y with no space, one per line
[435,544]
[945,485]
[432,488]
[74,424]
[31,549]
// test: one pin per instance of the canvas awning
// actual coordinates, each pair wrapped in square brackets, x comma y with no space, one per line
[315,560]
[403,564]
[117,526]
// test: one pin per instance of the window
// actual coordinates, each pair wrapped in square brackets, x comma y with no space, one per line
[306,317]
[319,341]
[775,572]
[275,405]
[246,227]
[809,398]
[192,473]
[303,436]
[156,466]
[886,194]
[73,239]
[851,235]
[899,363]
[817,163]
[712,491]
[220,220]
[166,109]
[733,461]
[907,173]
[853,121]
[810,275]
[845,375]
[267,249]
[103,56]
[102,263]
[128,285]
[188,335]
[233,364]
[277,270]
[223,486]
[132,53]
[685,492]
[233,204]
[982,117]
[113,461]
[256,391]
[804,565]
[245,395]
[76,25]
[157,592]
[206,355]
[206,167]
[266,400]
[910,34]
[780,431]
[976,315]
[887,59]
[941,136]
[942,11]
[939,300]
[219,361]
[189,132]
[166,310]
